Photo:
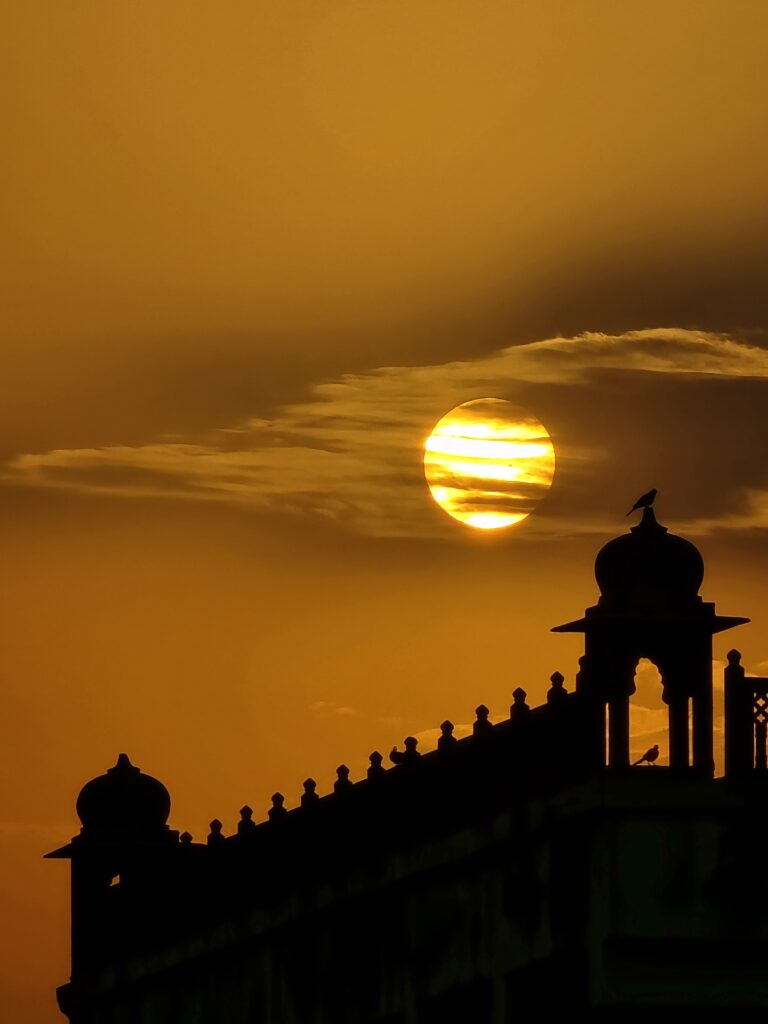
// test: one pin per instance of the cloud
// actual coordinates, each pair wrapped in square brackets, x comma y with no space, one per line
[45,834]
[752,515]
[328,707]
[351,452]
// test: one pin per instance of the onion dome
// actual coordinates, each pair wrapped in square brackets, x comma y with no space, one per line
[649,569]
[124,801]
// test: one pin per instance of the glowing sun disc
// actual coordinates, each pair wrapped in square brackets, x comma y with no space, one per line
[488,463]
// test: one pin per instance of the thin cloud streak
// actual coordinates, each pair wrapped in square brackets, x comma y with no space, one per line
[352,451]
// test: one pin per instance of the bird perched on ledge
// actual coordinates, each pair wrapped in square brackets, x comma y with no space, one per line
[645,502]
[650,756]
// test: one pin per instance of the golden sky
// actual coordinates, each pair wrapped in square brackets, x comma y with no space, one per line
[250,255]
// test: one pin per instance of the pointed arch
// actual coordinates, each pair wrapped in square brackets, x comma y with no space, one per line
[648,715]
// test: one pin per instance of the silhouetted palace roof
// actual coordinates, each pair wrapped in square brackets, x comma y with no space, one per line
[533,865]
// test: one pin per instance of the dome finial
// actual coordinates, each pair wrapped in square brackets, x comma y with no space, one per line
[648,522]
[123,765]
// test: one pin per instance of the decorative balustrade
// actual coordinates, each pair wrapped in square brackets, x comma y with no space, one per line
[746,720]
[182,885]
[496,763]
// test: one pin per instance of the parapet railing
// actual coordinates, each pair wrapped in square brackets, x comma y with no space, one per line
[746,720]
[181,886]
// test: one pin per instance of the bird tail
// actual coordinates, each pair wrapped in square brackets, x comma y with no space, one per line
[631,511]
[637,762]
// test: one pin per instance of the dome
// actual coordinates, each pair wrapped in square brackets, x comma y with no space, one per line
[124,800]
[649,569]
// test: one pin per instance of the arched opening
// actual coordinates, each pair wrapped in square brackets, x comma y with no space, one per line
[648,715]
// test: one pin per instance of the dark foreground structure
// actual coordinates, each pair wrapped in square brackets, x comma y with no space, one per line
[523,872]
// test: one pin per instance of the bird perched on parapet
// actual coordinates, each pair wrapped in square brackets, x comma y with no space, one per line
[408,756]
[650,755]
[645,502]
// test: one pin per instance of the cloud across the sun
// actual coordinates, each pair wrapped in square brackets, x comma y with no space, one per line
[351,451]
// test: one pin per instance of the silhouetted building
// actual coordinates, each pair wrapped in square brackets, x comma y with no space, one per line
[523,871]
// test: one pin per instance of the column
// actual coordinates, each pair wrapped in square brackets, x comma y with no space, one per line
[618,732]
[703,754]
[739,754]
[678,731]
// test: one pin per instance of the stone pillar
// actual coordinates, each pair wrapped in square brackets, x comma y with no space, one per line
[739,728]
[618,732]
[678,731]
[703,755]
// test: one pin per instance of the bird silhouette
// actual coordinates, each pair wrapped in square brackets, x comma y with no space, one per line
[650,755]
[645,502]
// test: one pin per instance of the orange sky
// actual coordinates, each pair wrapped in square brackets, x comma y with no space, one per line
[250,255]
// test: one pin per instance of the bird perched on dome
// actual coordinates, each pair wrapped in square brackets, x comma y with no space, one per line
[645,502]
[650,755]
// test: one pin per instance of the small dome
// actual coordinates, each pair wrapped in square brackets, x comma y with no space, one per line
[649,569]
[124,800]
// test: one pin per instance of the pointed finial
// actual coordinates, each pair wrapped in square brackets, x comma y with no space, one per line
[557,693]
[447,741]
[123,766]
[376,768]
[482,726]
[519,709]
[215,836]
[309,797]
[277,811]
[246,824]
[343,784]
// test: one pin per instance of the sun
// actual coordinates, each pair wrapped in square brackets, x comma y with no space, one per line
[488,463]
